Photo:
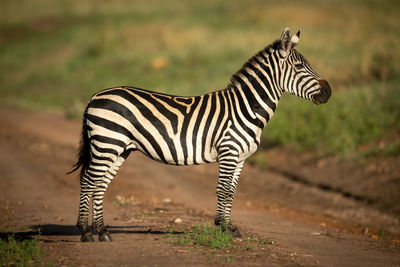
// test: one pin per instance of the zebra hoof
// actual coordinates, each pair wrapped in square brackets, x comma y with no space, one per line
[232,230]
[235,233]
[87,237]
[218,221]
[105,237]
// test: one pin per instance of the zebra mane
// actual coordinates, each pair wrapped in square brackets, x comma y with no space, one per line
[267,50]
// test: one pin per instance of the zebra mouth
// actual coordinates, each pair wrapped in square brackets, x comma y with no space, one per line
[324,93]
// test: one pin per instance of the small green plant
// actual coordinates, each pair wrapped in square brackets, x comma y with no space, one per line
[184,240]
[248,249]
[226,259]
[20,253]
[213,237]
[170,232]
[204,235]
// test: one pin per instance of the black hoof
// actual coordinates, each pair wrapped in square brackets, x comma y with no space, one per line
[87,237]
[218,221]
[105,237]
[235,233]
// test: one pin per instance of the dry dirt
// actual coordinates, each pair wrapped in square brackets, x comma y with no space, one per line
[318,212]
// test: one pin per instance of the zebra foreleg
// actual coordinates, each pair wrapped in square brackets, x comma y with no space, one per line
[101,188]
[229,172]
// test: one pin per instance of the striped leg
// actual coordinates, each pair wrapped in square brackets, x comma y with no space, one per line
[87,188]
[231,194]
[229,172]
[101,187]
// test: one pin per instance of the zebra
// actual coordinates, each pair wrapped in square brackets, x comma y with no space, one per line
[223,126]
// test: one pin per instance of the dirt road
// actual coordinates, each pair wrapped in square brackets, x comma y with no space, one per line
[311,223]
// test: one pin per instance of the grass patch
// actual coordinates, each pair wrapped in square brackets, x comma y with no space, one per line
[387,151]
[226,259]
[219,246]
[213,237]
[206,236]
[20,253]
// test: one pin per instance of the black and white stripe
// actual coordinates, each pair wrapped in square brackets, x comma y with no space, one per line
[223,126]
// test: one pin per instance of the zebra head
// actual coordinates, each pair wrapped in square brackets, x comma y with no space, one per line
[298,77]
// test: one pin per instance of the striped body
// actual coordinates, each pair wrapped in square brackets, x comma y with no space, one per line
[174,130]
[223,126]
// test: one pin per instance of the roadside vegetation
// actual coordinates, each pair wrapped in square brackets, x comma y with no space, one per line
[205,235]
[14,252]
[216,243]
[57,57]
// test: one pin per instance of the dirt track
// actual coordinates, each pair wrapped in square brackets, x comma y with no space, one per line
[311,224]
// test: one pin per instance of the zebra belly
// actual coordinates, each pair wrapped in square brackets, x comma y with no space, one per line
[178,156]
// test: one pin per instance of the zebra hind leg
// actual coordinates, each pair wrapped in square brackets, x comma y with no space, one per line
[87,189]
[101,187]
[229,172]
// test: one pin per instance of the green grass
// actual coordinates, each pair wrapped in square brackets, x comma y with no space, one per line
[206,236]
[213,237]
[56,54]
[219,246]
[226,259]
[20,253]
[387,151]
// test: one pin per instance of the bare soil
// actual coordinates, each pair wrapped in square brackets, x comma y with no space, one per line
[317,211]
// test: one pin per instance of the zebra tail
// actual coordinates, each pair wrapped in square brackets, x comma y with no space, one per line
[83,157]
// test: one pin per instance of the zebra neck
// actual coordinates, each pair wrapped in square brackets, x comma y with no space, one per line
[257,84]
[259,109]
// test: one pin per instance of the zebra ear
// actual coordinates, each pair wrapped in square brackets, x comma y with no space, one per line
[286,39]
[295,39]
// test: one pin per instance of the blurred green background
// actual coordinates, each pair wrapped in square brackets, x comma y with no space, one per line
[56,54]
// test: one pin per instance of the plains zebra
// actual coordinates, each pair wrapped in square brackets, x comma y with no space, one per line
[223,126]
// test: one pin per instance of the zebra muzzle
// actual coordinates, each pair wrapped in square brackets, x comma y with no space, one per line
[324,93]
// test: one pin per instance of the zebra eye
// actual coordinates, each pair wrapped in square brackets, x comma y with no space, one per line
[298,65]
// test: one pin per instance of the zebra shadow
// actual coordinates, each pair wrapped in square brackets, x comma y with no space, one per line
[49,230]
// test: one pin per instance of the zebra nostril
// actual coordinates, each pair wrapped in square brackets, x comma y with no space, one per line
[324,94]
